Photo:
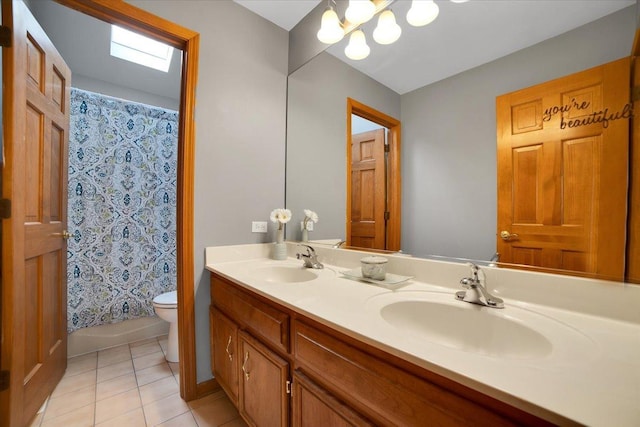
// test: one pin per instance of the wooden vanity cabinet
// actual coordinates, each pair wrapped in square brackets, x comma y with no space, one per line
[250,346]
[336,380]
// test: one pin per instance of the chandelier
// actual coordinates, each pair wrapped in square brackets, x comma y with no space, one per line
[332,30]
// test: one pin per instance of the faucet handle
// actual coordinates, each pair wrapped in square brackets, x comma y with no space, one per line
[310,250]
[468,282]
[474,270]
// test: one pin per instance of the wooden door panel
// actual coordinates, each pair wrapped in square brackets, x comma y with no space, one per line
[56,173]
[368,190]
[527,117]
[554,192]
[31,318]
[580,172]
[527,177]
[32,169]
[37,126]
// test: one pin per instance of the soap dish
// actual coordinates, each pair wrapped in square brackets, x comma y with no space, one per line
[389,280]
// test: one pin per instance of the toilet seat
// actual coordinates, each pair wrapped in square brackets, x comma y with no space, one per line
[167,300]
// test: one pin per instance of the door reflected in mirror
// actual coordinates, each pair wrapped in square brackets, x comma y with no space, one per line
[373,171]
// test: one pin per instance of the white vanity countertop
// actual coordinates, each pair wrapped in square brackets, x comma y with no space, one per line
[595,382]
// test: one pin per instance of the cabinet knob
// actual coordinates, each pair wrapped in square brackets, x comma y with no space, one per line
[244,366]
[227,350]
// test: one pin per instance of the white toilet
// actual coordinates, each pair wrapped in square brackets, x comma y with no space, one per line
[166,307]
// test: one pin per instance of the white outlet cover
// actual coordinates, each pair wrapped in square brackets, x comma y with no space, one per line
[259,226]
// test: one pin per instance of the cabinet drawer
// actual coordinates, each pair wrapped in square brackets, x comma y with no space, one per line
[315,407]
[385,393]
[263,320]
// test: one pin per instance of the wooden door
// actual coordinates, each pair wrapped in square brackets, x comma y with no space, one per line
[264,398]
[562,172]
[224,353]
[36,123]
[368,190]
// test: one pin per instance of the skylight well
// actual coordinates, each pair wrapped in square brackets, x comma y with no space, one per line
[142,50]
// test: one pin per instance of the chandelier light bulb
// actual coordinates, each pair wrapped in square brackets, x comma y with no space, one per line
[357,48]
[422,12]
[387,31]
[330,31]
[360,11]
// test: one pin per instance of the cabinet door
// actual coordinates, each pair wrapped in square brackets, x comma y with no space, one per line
[264,400]
[224,353]
[313,406]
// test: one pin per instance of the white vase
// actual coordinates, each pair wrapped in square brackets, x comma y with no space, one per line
[305,235]
[279,251]
[279,248]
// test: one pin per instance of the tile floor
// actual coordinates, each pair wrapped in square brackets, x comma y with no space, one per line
[128,386]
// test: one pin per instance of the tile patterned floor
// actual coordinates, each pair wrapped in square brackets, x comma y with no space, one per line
[128,386]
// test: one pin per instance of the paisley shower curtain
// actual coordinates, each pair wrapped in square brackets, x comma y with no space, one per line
[121,209]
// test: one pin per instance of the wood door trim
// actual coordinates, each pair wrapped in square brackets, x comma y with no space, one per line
[394,185]
[632,271]
[135,19]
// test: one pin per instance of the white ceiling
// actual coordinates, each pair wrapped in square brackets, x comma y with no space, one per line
[463,36]
[284,13]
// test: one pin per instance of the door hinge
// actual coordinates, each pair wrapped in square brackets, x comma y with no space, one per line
[289,389]
[5,36]
[387,215]
[5,208]
[4,380]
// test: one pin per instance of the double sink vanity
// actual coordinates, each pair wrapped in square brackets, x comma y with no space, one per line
[306,346]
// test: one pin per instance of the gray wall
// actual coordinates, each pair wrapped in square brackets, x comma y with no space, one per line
[316,134]
[240,131]
[449,137]
[100,86]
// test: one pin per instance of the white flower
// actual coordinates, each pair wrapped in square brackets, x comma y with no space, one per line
[310,215]
[281,216]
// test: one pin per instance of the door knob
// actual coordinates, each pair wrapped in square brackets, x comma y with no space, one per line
[506,236]
[65,235]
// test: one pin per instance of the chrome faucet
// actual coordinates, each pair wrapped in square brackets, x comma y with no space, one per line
[310,258]
[476,292]
[340,243]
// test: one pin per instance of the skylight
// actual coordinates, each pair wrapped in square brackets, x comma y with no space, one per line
[142,50]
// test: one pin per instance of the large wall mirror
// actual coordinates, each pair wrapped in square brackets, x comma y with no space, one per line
[448,155]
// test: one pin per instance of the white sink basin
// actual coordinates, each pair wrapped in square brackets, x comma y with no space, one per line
[510,333]
[285,274]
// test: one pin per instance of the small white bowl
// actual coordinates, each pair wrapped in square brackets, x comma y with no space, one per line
[374,267]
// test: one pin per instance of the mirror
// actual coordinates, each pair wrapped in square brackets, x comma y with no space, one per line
[448,137]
